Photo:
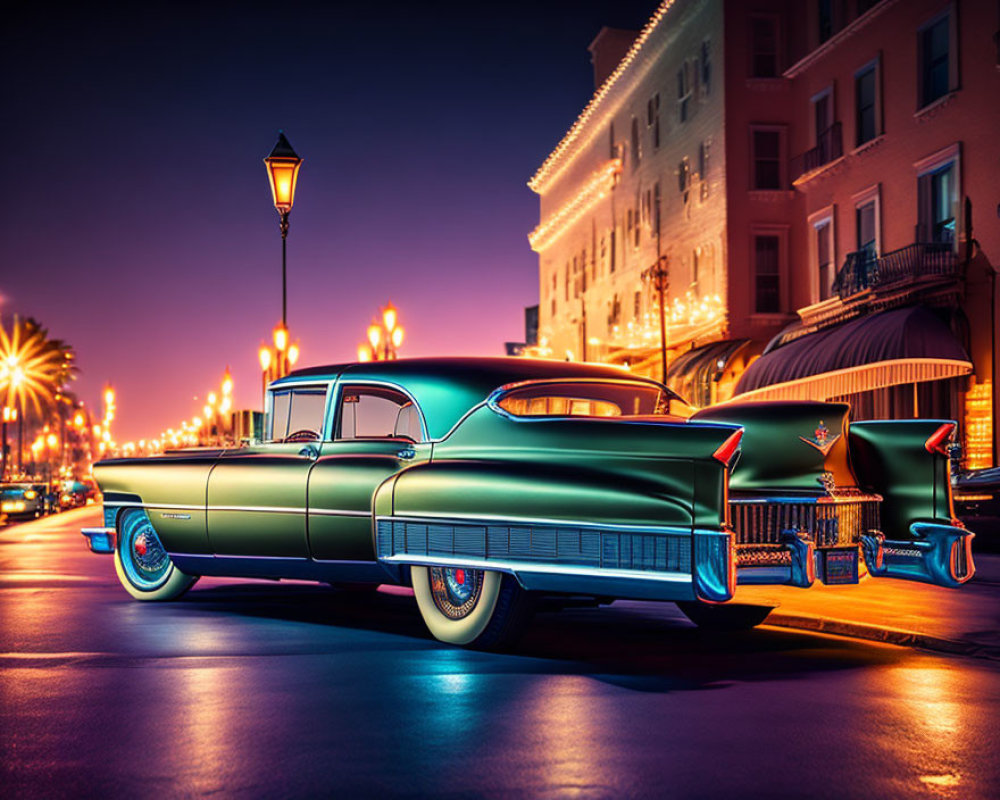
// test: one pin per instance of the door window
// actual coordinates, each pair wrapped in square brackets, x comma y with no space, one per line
[375,412]
[297,415]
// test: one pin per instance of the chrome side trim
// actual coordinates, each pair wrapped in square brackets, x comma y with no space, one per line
[326,512]
[500,519]
[515,567]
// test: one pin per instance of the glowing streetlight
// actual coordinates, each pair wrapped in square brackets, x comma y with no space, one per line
[283,171]
[293,354]
[384,337]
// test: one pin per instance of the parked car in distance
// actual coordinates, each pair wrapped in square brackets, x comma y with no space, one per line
[76,493]
[483,483]
[23,500]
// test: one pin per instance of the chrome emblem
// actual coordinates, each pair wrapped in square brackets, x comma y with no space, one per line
[828,483]
[821,438]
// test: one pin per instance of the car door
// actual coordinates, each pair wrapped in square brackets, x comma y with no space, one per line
[377,430]
[257,494]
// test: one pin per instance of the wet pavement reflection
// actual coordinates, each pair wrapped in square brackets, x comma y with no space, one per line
[260,689]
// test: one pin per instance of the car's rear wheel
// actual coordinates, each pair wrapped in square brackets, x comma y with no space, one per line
[142,564]
[725,616]
[471,607]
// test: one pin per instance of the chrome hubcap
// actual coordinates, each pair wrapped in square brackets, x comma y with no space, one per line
[145,561]
[456,590]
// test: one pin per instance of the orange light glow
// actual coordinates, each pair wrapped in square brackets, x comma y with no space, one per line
[364,354]
[293,354]
[281,338]
[389,317]
[52,440]
[397,337]
[227,382]
[265,358]
[374,335]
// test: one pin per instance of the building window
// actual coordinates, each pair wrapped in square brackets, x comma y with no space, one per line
[826,265]
[767,274]
[703,156]
[566,283]
[684,178]
[866,222]
[612,249]
[653,119]
[937,196]
[695,270]
[764,47]
[637,306]
[683,91]
[636,153]
[637,227]
[705,67]
[612,151]
[656,209]
[766,157]
[935,59]
[865,99]
[825,13]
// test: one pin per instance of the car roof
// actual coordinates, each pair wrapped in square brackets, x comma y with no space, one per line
[446,388]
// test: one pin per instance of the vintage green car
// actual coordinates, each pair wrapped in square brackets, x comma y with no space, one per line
[483,483]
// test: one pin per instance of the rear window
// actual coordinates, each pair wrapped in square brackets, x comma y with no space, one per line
[590,399]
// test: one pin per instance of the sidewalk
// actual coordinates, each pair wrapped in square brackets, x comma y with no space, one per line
[964,621]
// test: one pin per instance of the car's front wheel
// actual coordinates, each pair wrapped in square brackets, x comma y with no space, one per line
[725,616]
[471,607]
[142,564]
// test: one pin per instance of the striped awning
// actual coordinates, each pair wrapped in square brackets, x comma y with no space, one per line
[691,373]
[902,346]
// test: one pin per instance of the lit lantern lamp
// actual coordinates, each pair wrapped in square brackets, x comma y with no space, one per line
[283,170]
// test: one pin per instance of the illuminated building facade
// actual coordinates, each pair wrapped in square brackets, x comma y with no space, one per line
[812,171]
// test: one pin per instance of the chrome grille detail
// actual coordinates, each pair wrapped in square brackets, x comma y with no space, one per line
[828,521]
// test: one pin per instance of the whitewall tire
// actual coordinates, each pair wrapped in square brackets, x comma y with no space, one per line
[468,607]
[143,566]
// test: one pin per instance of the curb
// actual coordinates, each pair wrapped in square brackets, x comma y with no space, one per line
[896,636]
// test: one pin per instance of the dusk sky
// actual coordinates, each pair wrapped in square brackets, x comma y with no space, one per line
[137,221]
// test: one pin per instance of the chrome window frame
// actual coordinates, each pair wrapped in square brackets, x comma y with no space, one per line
[493,401]
[349,381]
[273,389]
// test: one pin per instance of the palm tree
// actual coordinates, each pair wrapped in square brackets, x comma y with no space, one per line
[33,370]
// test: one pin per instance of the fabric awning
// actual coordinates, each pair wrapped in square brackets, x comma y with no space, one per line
[691,373]
[905,345]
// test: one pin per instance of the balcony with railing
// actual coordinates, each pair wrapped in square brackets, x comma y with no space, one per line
[864,270]
[829,147]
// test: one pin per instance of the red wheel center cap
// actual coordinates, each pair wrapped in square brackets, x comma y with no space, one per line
[460,575]
[140,546]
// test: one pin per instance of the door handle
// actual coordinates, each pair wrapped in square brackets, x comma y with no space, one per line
[309,452]
[406,454]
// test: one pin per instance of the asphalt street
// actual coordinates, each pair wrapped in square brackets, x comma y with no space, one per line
[261,689]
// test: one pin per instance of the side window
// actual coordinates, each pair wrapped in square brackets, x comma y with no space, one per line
[373,412]
[297,415]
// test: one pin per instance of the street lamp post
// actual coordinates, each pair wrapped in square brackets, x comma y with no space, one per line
[283,170]
[659,276]
[9,415]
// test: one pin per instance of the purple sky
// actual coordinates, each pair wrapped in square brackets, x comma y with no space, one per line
[138,225]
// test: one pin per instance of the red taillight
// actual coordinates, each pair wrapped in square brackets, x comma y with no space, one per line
[729,448]
[938,442]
